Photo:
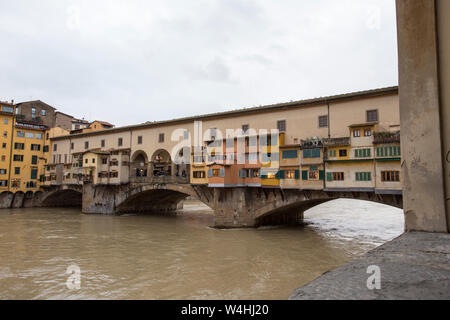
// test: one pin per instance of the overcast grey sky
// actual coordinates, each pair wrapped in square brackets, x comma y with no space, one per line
[133,61]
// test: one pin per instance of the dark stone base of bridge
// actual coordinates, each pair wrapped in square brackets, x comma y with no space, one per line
[233,207]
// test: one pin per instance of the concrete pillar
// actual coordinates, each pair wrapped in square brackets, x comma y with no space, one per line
[422,115]
[443,9]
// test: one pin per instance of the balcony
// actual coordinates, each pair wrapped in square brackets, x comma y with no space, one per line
[386,137]
[160,180]
[336,142]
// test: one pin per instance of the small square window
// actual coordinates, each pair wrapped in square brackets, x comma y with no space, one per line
[372,115]
[323,122]
[281,125]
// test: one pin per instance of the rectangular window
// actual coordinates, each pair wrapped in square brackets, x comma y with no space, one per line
[281,125]
[367,133]
[102,143]
[3,183]
[35,147]
[34,159]
[55,147]
[34,174]
[323,122]
[2,171]
[45,149]
[5,121]
[363,176]
[139,139]
[291,174]
[199,174]
[39,136]
[290,154]
[245,128]
[161,138]
[242,173]
[30,135]
[357,133]
[17,170]
[390,176]
[104,160]
[338,176]
[332,153]
[43,112]
[86,144]
[33,112]
[5,134]
[19,146]
[21,134]
[342,152]
[311,153]
[120,142]
[216,173]
[362,153]
[372,115]
[18,157]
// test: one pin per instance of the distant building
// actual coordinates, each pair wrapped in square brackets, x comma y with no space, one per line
[36,111]
[63,120]
[99,125]
[78,124]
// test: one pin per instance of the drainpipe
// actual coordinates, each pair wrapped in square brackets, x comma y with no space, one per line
[329,122]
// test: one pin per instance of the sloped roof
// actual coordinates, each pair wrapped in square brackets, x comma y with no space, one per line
[273,107]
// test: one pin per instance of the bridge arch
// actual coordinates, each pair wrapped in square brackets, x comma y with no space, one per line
[288,208]
[157,198]
[64,197]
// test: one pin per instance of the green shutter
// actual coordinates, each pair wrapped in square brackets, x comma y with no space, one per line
[356,153]
[369,176]
[307,153]
[329,176]
[305,175]
[280,174]
[297,174]
[34,173]
[315,153]
[321,174]
[358,178]
[369,152]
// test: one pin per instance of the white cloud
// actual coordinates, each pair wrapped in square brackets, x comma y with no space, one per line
[134,61]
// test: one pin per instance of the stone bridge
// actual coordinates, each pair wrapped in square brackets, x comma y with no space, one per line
[233,207]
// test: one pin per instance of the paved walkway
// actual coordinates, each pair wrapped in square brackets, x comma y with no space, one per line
[413,266]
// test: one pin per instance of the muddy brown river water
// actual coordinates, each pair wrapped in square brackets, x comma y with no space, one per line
[180,257]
